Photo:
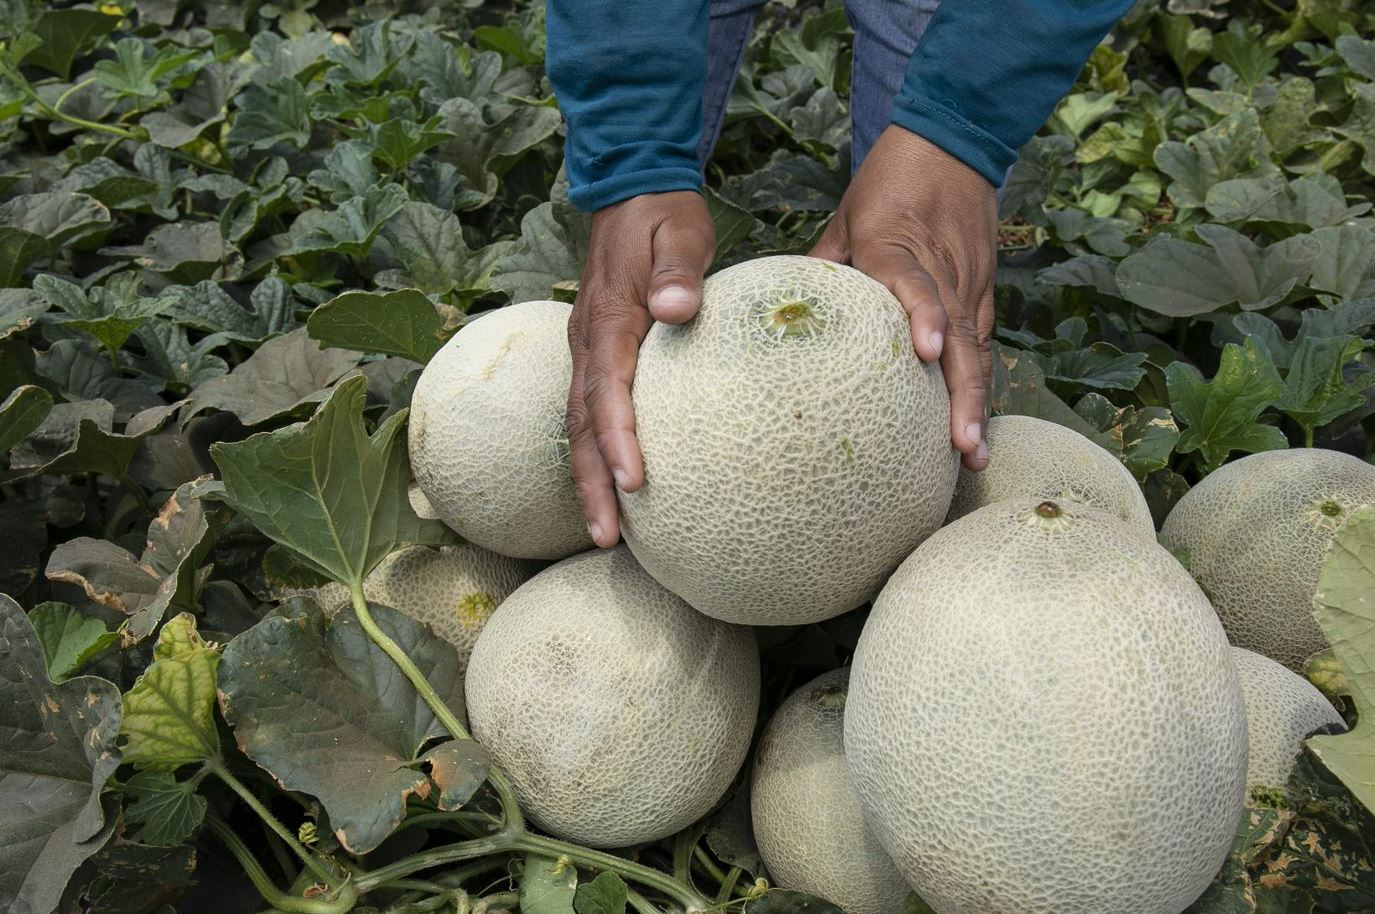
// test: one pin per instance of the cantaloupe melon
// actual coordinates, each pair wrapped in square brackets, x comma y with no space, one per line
[1044,718]
[807,819]
[1255,533]
[795,447]
[1030,457]
[453,589]
[1282,708]
[619,713]
[486,433]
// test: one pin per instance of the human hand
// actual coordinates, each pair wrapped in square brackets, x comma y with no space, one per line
[924,224]
[644,263]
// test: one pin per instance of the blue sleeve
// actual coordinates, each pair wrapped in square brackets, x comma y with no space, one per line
[628,76]
[986,75]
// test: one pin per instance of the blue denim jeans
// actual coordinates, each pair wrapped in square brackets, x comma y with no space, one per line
[886,34]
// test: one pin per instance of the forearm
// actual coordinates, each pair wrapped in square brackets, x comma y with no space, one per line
[628,76]
[985,76]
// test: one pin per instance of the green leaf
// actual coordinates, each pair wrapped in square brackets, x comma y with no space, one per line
[327,489]
[1182,279]
[396,140]
[1345,609]
[21,412]
[1359,54]
[553,244]
[510,41]
[67,33]
[133,74]
[1314,201]
[488,137]
[349,229]
[104,313]
[1345,265]
[1187,46]
[57,756]
[548,886]
[169,811]
[271,114]
[1359,126]
[403,323]
[426,243]
[70,638]
[185,251]
[1220,416]
[1141,437]
[1231,148]
[1019,388]
[1243,51]
[318,705]
[33,225]
[733,223]
[285,377]
[169,713]
[206,306]
[606,894]
[1316,387]
[94,451]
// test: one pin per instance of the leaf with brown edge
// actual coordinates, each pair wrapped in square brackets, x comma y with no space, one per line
[57,755]
[320,707]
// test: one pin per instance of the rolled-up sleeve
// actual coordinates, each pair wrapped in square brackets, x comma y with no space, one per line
[986,75]
[628,77]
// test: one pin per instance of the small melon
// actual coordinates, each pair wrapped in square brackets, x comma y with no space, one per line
[1255,533]
[454,589]
[619,713]
[807,819]
[1282,708]
[1044,718]
[486,433]
[1030,457]
[795,447]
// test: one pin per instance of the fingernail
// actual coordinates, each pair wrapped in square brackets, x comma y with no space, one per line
[594,530]
[936,340]
[673,295]
[981,452]
[973,431]
[620,477]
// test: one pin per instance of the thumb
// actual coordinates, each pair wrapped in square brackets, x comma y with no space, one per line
[682,251]
[833,244]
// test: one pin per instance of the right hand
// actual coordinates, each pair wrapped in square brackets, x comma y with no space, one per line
[645,263]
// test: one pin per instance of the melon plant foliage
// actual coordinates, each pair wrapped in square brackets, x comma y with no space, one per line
[231,234]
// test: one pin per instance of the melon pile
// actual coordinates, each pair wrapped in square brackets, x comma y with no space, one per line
[1037,670]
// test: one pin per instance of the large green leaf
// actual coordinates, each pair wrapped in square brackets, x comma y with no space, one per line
[169,713]
[1141,437]
[33,225]
[287,376]
[553,244]
[326,488]
[403,323]
[67,33]
[57,754]
[1345,609]
[316,702]
[1182,279]
[1220,416]
[168,810]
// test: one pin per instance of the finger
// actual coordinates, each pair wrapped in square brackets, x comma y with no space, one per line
[967,380]
[592,480]
[920,290]
[682,250]
[833,244]
[618,326]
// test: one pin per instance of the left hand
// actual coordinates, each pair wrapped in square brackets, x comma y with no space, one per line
[924,224]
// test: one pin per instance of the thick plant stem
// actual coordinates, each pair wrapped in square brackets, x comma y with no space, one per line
[510,807]
[280,830]
[345,898]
